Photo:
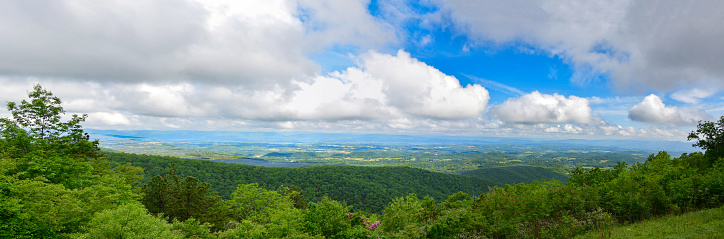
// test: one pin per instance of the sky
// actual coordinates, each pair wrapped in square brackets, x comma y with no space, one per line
[529,68]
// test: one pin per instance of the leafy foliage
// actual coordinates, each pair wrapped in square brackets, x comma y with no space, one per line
[709,136]
[38,121]
[53,179]
[249,202]
[515,174]
[128,221]
[327,218]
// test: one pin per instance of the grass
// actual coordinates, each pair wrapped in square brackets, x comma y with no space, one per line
[699,224]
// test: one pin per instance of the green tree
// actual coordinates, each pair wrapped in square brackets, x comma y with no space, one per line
[53,178]
[182,198]
[15,220]
[156,195]
[296,194]
[40,121]
[250,202]
[709,136]
[43,145]
[402,211]
[327,218]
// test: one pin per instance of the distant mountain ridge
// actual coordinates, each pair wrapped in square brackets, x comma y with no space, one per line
[349,138]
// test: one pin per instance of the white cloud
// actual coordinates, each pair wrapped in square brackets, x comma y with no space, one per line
[568,128]
[417,89]
[543,108]
[107,119]
[653,110]
[255,43]
[383,87]
[387,86]
[246,64]
[693,96]
[356,109]
[165,100]
[93,39]
[666,46]
[344,22]
[613,100]
[352,94]
[496,86]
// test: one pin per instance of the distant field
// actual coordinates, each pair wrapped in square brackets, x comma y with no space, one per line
[438,157]
[700,224]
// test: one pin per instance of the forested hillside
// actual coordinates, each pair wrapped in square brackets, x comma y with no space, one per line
[515,174]
[365,188]
[54,183]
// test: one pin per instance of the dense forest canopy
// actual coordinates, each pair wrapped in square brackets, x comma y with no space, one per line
[365,188]
[56,183]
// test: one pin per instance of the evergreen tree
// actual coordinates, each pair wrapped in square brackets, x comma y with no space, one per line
[182,198]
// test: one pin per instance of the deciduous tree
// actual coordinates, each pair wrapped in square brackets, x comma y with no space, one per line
[709,136]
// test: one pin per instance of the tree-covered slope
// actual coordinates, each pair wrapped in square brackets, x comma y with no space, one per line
[514,174]
[366,188]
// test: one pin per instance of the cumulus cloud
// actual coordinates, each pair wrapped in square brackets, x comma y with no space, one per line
[388,86]
[653,110]
[543,108]
[669,45]
[417,89]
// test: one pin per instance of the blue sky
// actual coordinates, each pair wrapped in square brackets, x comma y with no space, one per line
[547,68]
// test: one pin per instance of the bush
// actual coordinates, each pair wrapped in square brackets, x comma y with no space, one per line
[327,218]
[128,221]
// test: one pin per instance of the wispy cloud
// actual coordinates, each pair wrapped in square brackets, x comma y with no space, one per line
[613,100]
[692,96]
[496,85]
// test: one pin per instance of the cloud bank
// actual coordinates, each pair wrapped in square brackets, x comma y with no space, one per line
[255,43]
[255,64]
[382,86]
